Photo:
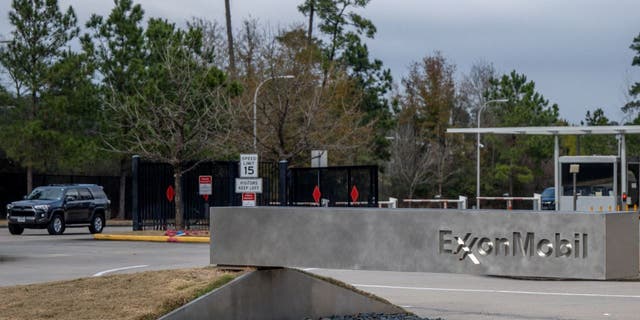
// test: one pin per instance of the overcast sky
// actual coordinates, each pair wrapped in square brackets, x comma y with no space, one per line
[576,51]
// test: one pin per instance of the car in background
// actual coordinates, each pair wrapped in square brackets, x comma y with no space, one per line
[548,198]
[56,207]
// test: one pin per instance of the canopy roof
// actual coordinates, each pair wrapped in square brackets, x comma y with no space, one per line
[583,130]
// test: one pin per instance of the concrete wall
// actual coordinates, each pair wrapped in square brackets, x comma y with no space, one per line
[510,243]
[279,294]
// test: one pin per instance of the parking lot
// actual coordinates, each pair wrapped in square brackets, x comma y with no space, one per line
[36,257]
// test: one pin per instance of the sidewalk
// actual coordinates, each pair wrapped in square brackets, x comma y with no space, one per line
[151,238]
[190,236]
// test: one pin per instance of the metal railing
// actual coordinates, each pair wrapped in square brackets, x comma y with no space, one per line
[460,203]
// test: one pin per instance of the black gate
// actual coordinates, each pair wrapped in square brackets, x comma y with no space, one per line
[156,192]
[153,187]
[349,186]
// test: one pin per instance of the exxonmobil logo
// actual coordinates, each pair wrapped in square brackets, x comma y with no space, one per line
[471,246]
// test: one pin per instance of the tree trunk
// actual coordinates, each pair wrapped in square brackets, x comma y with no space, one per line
[411,191]
[311,13]
[232,60]
[177,174]
[122,188]
[29,178]
[511,178]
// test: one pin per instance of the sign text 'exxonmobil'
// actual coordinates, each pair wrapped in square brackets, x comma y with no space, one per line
[526,245]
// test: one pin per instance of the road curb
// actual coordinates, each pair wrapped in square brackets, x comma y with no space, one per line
[123,237]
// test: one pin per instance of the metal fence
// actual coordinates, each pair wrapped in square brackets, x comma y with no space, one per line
[153,187]
[352,186]
[155,192]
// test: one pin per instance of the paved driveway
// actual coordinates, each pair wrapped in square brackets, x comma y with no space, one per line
[464,297]
[35,256]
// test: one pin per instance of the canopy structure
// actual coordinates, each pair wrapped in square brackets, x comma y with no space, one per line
[559,131]
[621,131]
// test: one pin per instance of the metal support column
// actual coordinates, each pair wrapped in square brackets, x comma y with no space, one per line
[283,167]
[135,174]
[556,170]
[623,166]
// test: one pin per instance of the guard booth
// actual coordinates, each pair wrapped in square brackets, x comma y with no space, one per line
[598,184]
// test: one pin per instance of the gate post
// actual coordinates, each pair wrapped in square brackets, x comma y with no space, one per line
[233,174]
[283,166]
[135,173]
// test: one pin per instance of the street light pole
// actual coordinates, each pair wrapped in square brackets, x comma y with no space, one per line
[478,148]
[255,113]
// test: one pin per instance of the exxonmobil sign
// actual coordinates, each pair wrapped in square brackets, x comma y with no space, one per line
[493,242]
[522,244]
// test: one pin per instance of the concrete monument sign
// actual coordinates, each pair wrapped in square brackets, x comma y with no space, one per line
[509,243]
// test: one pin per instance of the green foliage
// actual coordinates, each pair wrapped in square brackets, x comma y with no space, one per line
[344,48]
[72,107]
[180,112]
[423,153]
[515,159]
[633,141]
[634,91]
[52,126]
[597,144]
[116,46]
[41,31]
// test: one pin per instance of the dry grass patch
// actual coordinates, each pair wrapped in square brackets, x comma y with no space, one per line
[144,295]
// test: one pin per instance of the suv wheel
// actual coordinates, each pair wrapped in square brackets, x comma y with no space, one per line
[97,224]
[15,229]
[56,226]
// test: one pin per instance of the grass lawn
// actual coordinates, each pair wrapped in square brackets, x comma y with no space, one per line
[144,295]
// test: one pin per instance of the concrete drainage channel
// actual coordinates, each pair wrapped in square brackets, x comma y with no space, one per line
[282,293]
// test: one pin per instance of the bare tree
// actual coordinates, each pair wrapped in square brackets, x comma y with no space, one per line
[474,87]
[430,91]
[412,161]
[213,41]
[297,115]
[232,59]
[251,41]
[182,114]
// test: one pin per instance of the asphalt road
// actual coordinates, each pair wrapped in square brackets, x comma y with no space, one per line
[455,296]
[36,257]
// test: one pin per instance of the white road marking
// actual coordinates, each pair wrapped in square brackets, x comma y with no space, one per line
[309,269]
[598,295]
[102,273]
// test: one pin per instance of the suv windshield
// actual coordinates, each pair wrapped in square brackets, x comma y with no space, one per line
[46,194]
[549,193]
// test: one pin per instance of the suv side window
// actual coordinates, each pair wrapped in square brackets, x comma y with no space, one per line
[85,194]
[72,193]
[98,193]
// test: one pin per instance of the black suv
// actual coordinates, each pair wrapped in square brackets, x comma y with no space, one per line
[57,206]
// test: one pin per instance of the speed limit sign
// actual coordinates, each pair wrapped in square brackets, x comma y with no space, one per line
[248,165]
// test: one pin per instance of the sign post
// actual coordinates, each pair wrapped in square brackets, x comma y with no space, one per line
[574,169]
[205,188]
[248,166]
[249,199]
[249,184]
